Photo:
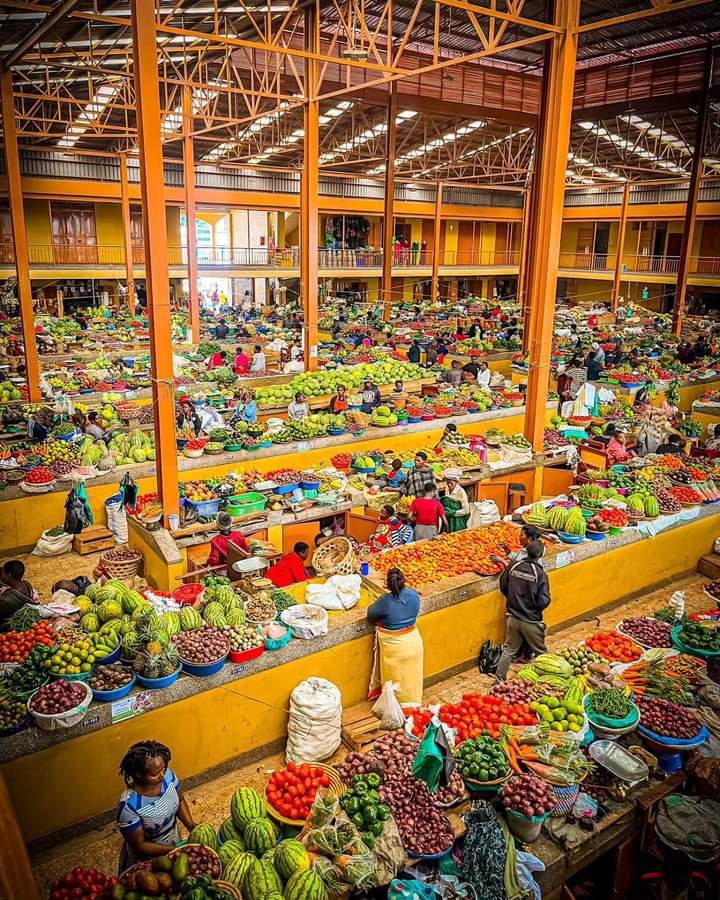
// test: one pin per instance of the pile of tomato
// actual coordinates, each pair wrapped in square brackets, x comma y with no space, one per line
[613,516]
[478,713]
[15,646]
[614,647]
[421,718]
[292,791]
[85,884]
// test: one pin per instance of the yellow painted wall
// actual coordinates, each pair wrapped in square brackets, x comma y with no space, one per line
[77,779]
[37,222]
[451,241]
[568,237]
[108,225]
[22,520]
[587,290]
[487,239]
[416,229]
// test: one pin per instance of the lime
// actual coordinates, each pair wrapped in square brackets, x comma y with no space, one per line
[558,714]
[552,702]
[574,726]
[484,775]
[547,716]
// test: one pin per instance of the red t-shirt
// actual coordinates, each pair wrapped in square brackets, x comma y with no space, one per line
[289,569]
[216,361]
[219,547]
[427,510]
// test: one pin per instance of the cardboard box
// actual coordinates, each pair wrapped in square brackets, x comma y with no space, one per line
[710,565]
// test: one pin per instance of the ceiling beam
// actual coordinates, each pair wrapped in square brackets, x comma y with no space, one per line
[39,32]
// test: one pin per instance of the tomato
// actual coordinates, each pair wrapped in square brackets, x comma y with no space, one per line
[291,767]
[325,780]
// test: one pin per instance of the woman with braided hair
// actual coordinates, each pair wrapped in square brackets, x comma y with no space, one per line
[151,804]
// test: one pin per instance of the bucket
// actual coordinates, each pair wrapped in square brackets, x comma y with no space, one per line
[526,828]
[173,522]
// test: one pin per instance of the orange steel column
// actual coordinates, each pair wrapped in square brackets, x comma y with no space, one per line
[309,189]
[437,225]
[545,227]
[523,263]
[17,215]
[389,207]
[622,228]
[190,226]
[127,233]
[147,96]
[703,125]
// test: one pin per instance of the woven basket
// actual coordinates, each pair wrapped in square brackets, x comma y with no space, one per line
[565,798]
[229,889]
[121,569]
[335,557]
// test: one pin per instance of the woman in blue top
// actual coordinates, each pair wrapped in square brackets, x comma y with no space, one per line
[398,643]
[151,805]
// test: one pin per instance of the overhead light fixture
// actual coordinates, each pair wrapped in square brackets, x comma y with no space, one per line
[354,53]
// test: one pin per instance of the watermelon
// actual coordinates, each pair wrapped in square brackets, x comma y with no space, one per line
[238,867]
[83,603]
[652,507]
[229,832]
[246,804]
[90,622]
[203,834]
[290,857]
[230,850]
[109,609]
[305,885]
[274,895]
[190,619]
[260,880]
[214,615]
[131,601]
[260,836]
[235,617]
[171,623]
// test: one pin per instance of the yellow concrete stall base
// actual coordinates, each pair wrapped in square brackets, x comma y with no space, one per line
[76,780]
[23,519]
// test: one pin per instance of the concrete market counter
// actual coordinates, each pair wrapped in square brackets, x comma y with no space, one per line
[60,779]
[24,516]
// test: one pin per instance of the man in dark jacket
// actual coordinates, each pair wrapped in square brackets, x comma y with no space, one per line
[525,585]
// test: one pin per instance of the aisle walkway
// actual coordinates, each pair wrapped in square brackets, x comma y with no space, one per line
[100,848]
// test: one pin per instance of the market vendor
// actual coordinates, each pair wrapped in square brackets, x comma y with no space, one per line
[290,568]
[39,425]
[222,330]
[418,477]
[92,426]
[246,409]
[210,418]
[151,804]
[339,403]
[414,353]
[218,359]
[398,655]
[15,591]
[484,374]
[454,375]
[455,501]
[674,444]
[370,396]
[392,530]
[617,451]
[187,418]
[298,410]
[242,362]
[396,475]
[258,364]
[219,544]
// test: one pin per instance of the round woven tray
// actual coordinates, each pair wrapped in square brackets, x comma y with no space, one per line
[335,557]
[337,789]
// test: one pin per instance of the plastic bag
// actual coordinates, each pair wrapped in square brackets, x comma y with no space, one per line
[410,889]
[129,490]
[434,762]
[117,518]
[82,494]
[489,657]
[76,517]
[483,512]
[315,723]
[347,589]
[387,707]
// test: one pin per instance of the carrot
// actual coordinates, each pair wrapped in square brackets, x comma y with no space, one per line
[513,759]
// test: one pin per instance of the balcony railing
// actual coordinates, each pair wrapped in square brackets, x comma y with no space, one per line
[588,262]
[104,255]
[480,258]
[705,265]
[651,264]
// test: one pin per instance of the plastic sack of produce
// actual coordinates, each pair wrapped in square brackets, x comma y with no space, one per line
[347,588]
[315,723]
[50,544]
[387,707]
[690,825]
[483,512]
[117,518]
[307,620]
[410,889]
[129,490]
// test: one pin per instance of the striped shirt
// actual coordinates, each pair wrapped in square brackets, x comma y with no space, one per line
[156,815]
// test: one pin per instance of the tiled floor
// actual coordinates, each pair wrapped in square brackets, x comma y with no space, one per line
[210,801]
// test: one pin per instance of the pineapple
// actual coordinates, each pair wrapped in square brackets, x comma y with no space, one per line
[153,648]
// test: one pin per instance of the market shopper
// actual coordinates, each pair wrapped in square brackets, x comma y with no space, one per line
[298,410]
[428,515]
[220,543]
[594,362]
[455,502]
[15,591]
[414,353]
[527,591]
[397,474]
[150,805]
[398,652]
[39,425]
[418,477]
[290,568]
